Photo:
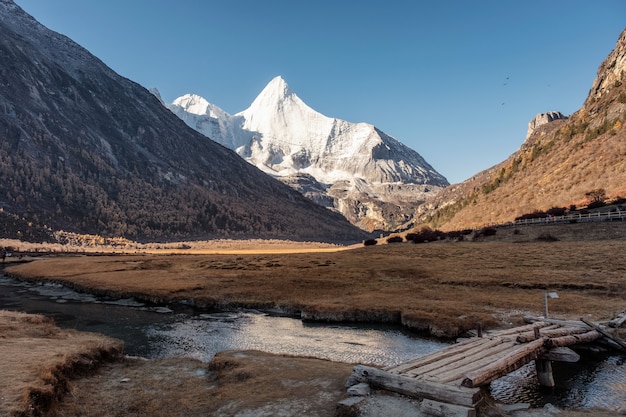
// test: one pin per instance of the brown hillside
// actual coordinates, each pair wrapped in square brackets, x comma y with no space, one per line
[555,167]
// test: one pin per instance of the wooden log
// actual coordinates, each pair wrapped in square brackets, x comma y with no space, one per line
[435,356]
[516,330]
[458,375]
[417,388]
[453,361]
[556,332]
[449,374]
[574,339]
[531,319]
[544,373]
[514,360]
[619,320]
[605,333]
[436,408]
[561,354]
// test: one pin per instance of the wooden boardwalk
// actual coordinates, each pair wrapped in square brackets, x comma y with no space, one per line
[450,379]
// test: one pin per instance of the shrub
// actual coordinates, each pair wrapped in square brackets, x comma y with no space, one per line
[484,232]
[534,215]
[595,196]
[370,242]
[425,235]
[489,231]
[455,234]
[596,204]
[618,200]
[547,237]
[556,211]
[395,239]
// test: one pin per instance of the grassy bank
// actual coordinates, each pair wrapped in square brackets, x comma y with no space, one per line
[441,288]
[234,383]
[38,360]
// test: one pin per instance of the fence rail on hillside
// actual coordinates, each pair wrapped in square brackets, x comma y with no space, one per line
[619,215]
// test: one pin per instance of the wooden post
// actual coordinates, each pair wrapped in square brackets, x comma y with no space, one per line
[479,329]
[544,367]
[544,373]
[545,304]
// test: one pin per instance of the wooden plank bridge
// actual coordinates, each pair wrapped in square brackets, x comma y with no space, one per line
[449,380]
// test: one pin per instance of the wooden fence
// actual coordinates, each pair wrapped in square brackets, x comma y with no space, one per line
[619,215]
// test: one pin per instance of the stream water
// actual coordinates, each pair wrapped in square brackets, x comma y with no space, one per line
[166,331]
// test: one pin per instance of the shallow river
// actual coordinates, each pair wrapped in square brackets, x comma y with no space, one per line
[159,331]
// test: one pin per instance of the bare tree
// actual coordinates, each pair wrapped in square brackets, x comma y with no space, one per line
[596,196]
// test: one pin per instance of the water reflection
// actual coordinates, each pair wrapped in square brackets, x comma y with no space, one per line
[599,384]
[203,335]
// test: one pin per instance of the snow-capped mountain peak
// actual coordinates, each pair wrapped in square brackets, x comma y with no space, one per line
[283,125]
[276,90]
[286,138]
[193,103]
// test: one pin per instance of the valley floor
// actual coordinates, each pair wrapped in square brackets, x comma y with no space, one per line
[441,288]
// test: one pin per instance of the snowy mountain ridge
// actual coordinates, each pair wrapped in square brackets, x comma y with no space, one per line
[369,176]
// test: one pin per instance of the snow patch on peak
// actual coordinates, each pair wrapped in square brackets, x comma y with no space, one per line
[193,104]
[199,106]
[211,121]
[277,87]
[276,97]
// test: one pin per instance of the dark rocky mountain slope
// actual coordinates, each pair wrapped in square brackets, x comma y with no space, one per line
[561,161]
[85,150]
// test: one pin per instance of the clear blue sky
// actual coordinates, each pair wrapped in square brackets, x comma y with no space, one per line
[457,81]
